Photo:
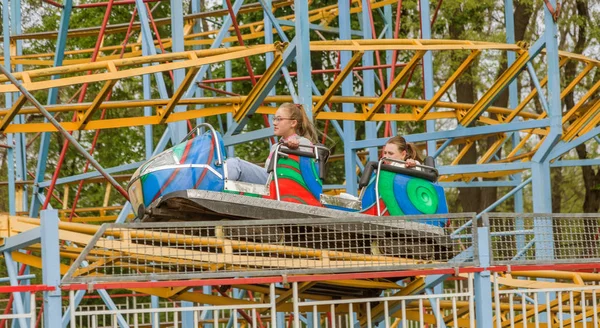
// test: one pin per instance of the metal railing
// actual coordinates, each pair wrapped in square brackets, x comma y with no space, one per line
[561,307]
[176,316]
[157,251]
[27,319]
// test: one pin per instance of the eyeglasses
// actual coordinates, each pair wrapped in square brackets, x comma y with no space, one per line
[278,119]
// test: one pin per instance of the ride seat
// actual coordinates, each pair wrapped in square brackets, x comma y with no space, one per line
[402,191]
[296,175]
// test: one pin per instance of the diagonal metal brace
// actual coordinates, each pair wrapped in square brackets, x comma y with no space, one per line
[262,88]
[22,240]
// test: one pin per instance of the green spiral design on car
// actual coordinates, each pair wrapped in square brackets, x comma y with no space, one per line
[386,192]
[422,195]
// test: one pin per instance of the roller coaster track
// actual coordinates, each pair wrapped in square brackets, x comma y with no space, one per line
[577,122]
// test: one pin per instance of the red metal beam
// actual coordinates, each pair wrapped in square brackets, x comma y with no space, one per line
[80,100]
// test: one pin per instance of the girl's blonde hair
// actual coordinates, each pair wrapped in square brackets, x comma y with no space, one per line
[305,127]
[412,152]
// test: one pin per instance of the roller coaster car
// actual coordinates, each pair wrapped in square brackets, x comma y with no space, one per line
[164,186]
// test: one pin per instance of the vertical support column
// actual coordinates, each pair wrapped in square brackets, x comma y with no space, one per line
[513,96]
[10,152]
[199,92]
[20,142]
[178,129]
[187,317]
[147,92]
[513,102]
[389,34]
[540,164]
[347,90]
[19,138]
[269,56]
[154,304]
[51,268]
[542,203]
[229,88]
[303,55]
[368,76]
[483,283]
[61,42]
[427,69]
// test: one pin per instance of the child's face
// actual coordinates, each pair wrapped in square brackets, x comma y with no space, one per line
[283,125]
[391,151]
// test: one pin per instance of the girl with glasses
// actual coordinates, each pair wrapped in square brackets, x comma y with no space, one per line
[293,127]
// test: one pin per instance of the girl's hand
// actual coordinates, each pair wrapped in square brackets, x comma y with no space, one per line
[410,163]
[293,143]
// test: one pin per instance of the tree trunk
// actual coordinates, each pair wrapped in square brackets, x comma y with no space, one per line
[477,199]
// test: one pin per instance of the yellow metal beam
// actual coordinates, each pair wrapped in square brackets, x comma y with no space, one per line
[492,149]
[87,116]
[394,84]
[258,88]
[462,153]
[189,78]
[576,80]
[165,63]
[468,117]
[338,81]
[409,44]
[521,144]
[420,113]
[12,112]
[589,126]
[589,119]
[580,103]
[532,94]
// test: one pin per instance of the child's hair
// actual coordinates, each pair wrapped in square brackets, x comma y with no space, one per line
[305,127]
[411,150]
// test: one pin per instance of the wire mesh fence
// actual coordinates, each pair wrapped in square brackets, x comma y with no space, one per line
[543,238]
[157,251]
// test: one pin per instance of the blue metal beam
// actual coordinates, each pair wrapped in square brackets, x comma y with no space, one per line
[542,200]
[20,142]
[51,267]
[52,99]
[349,130]
[513,96]
[22,240]
[460,132]
[10,152]
[477,168]
[576,162]
[563,147]
[538,87]
[480,184]
[317,27]
[247,136]
[179,128]
[303,64]
[482,281]
[505,197]
[368,82]
[93,174]
[427,69]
